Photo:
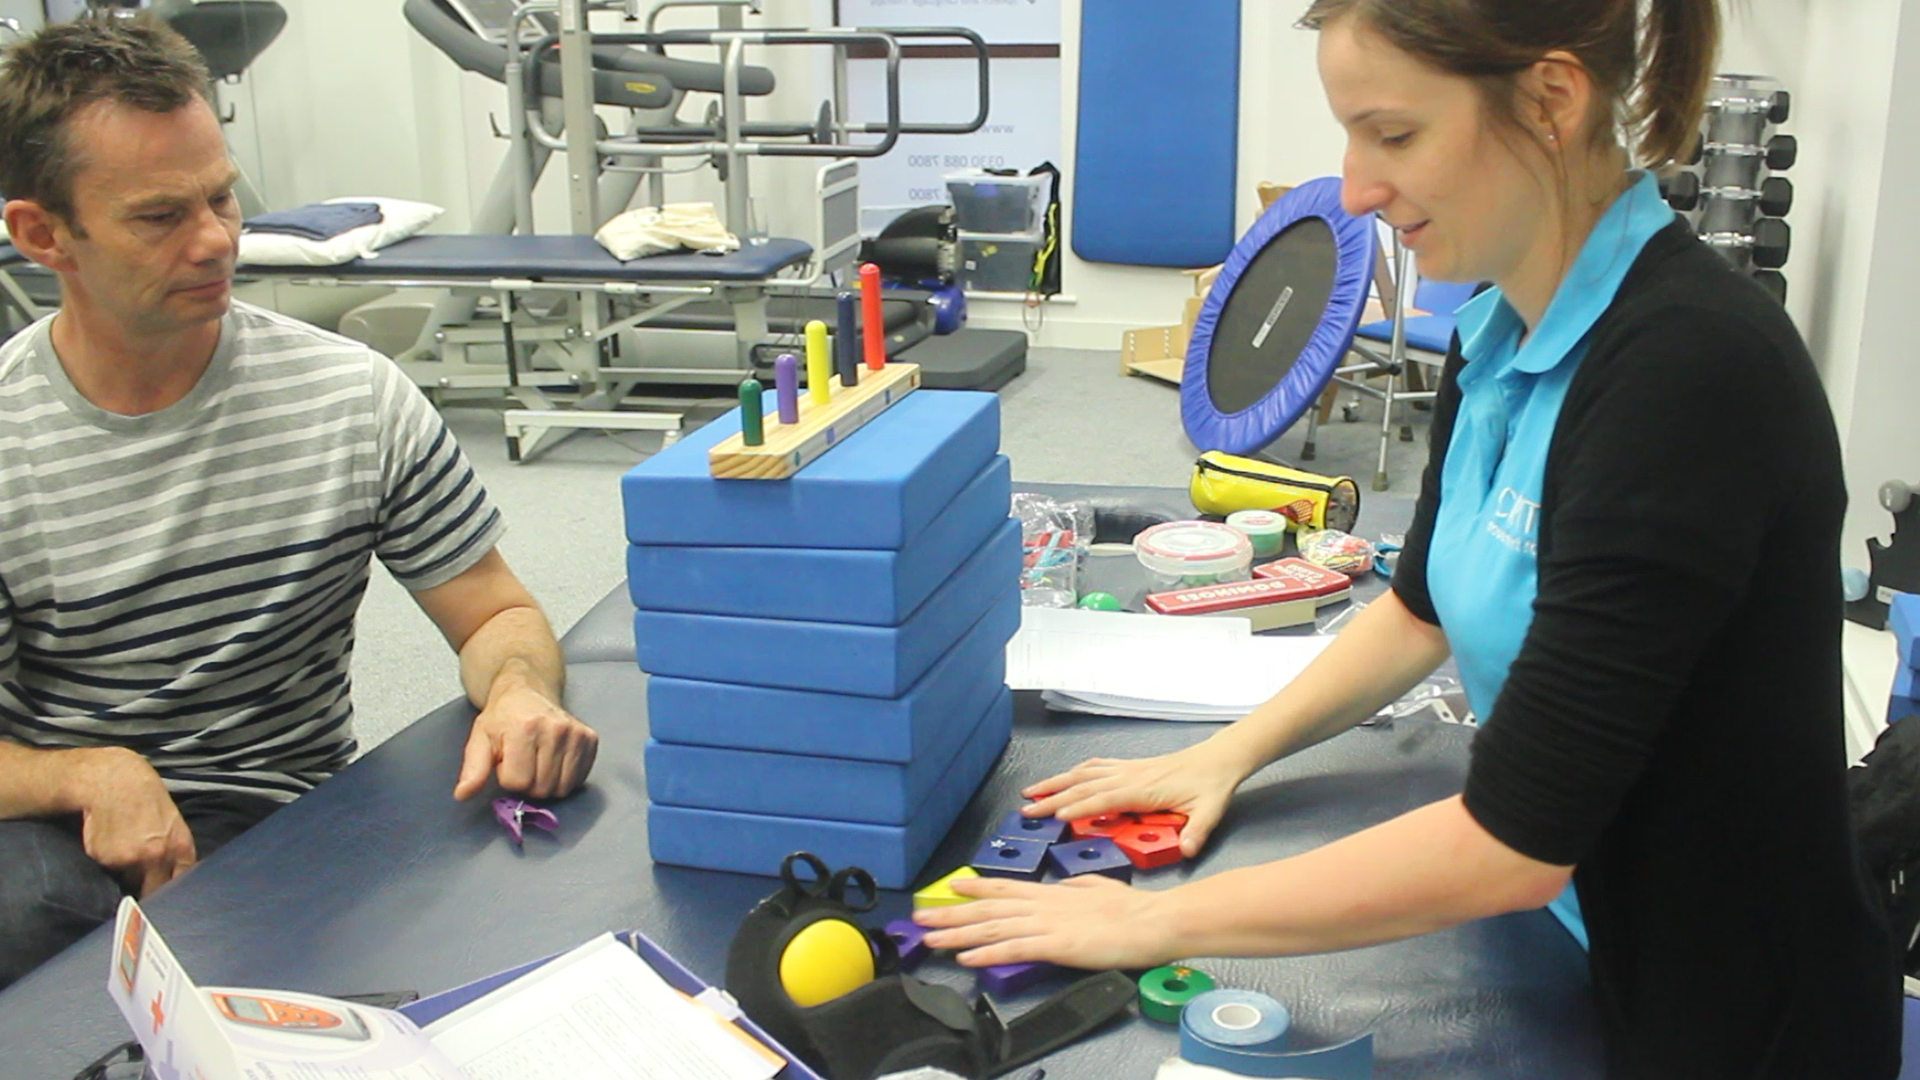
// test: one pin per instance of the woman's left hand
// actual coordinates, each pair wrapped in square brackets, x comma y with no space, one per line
[1087,922]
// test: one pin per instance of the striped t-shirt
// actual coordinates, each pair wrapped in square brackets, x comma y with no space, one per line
[184,583]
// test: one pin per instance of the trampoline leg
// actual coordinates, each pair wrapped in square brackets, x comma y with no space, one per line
[1313,427]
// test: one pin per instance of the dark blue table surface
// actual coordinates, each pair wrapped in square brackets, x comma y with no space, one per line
[378,880]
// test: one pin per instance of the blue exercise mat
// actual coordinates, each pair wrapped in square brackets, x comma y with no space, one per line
[1156,158]
[1903,618]
[1278,320]
[893,854]
[876,490]
[842,585]
[844,658]
[959,685]
[806,785]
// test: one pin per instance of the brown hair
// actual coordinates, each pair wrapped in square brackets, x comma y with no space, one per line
[49,78]
[1650,72]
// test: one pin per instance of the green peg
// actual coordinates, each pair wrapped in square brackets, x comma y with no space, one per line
[752,431]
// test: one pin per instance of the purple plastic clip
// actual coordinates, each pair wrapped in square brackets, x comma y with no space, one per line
[514,813]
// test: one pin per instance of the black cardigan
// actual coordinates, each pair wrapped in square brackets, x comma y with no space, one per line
[1672,724]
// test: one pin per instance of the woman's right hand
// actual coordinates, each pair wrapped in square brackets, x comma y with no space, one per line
[1196,782]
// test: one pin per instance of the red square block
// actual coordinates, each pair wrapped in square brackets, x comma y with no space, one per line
[1149,846]
[1087,828]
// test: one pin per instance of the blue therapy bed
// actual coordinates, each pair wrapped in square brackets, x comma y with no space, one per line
[575,344]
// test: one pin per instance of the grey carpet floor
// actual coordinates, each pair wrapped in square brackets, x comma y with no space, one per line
[1072,418]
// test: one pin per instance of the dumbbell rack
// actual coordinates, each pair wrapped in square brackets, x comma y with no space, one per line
[1727,188]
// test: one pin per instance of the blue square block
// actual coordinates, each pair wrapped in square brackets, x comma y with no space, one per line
[836,657]
[1047,830]
[1096,856]
[757,782]
[1011,857]
[954,691]
[1903,618]
[1905,699]
[876,490]
[893,854]
[842,585]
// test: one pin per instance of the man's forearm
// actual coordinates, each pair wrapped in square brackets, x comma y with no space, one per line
[514,647]
[39,783]
[1377,657]
[1432,868]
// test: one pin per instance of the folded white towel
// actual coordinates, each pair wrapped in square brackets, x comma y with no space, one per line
[651,230]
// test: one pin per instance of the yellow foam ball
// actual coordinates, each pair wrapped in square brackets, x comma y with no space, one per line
[825,960]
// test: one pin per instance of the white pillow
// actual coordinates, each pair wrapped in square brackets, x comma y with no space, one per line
[399,219]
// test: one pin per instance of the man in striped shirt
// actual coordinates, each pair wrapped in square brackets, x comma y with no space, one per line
[190,490]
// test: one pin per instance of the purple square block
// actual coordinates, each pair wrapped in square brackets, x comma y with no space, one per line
[1011,857]
[1045,829]
[1096,856]
[910,938]
[1004,979]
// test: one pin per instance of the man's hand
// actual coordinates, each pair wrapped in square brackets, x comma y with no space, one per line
[525,738]
[129,823]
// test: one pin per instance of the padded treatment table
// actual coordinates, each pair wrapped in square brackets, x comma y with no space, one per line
[378,880]
[453,260]
[970,359]
[10,257]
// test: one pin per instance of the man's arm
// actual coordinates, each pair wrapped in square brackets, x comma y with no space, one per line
[129,823]
[511,668]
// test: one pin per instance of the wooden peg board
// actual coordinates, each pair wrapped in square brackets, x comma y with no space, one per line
[789,447]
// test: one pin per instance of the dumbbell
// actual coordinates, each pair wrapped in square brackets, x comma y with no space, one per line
[1779,107]
[1774,282]
[1776,196]
[1682,190]
[1768,242]
[1782,152]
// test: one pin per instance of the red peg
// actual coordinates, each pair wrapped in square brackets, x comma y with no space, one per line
[874,330]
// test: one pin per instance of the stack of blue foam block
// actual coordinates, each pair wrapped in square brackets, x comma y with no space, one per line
[1903,618]
[827,653]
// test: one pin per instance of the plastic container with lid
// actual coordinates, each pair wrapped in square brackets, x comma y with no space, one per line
[988,203]
[1265,528]
[1184,554]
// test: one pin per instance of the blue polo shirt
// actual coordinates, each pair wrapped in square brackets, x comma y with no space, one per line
[1482,568]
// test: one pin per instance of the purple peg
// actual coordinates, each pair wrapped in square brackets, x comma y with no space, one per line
[514,813]
[786,387]
[910,941]
[1004,979]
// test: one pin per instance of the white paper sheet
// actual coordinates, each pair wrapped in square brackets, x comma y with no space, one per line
[1153,666]
[597,1013]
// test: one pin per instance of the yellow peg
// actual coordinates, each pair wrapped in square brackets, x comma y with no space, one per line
[819,364]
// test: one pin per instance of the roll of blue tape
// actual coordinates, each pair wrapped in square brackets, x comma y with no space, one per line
[1245,1032]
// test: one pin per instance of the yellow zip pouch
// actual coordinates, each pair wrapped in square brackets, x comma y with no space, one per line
[1223,483]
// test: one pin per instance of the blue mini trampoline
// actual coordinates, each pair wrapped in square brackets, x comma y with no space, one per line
[1278,321]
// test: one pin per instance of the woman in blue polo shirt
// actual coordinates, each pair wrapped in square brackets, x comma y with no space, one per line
[1626,537]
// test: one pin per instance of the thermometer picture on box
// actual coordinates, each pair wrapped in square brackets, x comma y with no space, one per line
[249,1010]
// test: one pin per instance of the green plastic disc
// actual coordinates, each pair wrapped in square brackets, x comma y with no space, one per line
[1165,991]
[1100,601]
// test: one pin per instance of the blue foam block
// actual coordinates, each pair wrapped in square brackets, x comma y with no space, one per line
[1905,699]
[893,854]
[876,490]
[953,691]
[843,585]
[1903,618]
[799,785]
[843,658]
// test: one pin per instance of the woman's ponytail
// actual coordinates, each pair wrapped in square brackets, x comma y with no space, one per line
[1679,40]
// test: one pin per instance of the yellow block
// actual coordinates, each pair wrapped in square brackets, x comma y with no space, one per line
[941,894]
[827,959]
